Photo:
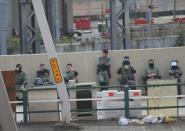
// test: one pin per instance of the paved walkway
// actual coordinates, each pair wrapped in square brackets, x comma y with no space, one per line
[106,126]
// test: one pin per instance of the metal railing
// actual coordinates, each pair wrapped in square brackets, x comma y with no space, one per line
[125,99]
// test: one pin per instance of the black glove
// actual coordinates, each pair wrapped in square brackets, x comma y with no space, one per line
[119,70]
[97,71]
[109,74]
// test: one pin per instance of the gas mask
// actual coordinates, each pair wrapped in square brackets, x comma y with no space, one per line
[151,65]
[18,69]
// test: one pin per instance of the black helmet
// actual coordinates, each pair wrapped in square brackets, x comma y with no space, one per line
[126,58]
[105,51]
[151,61]
[18,65]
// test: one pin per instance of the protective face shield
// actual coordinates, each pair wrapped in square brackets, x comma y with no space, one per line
[126,58]
[126,62]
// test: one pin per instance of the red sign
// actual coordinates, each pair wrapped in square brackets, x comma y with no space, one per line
[83,24]
[141,21]
[179,20]
[136,94]
[111,94]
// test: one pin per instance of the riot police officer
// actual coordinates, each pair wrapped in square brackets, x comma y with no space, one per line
[103,69]
[127,73]
[20,78]
[43,74]
[151,72]
[70,74]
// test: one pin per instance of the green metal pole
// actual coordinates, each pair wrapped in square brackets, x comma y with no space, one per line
[126,90]
[25,105]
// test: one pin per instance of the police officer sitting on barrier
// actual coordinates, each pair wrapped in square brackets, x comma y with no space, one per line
[127,73]
[103,69]
[176,72]
[70,74]
[43,75]
[21,81]
[151,72]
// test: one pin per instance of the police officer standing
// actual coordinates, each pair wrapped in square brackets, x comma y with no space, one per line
[20,78]
[103,69]
[176,72]
[127,73]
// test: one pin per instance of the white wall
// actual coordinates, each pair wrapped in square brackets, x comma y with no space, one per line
[85,62]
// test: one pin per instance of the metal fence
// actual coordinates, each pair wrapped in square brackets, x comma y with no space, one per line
[140,43]
[160,36]
[154,42]
[125,99]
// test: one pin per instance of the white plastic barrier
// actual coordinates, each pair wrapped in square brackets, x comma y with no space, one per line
[118,102]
